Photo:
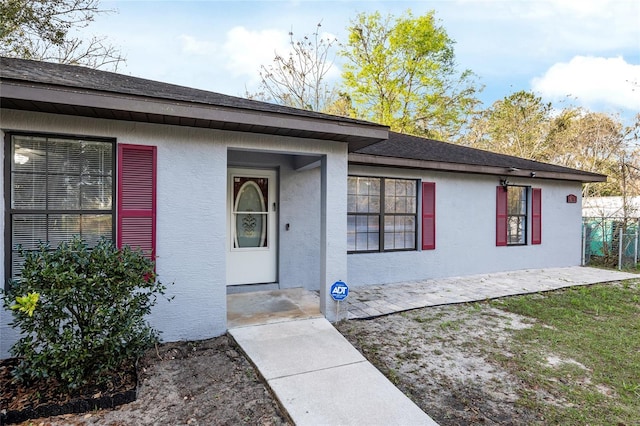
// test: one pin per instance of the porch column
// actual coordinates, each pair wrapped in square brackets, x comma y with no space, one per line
[333,261]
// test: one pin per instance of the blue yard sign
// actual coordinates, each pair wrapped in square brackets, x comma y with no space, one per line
[339,291]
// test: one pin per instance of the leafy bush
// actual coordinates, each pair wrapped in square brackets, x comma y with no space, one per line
[81,312]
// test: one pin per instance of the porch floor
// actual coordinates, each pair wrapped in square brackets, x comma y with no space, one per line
[271,306]
[377,300]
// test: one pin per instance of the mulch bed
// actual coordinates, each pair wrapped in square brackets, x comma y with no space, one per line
[20,402]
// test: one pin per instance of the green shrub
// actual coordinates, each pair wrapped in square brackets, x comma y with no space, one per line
[81,312]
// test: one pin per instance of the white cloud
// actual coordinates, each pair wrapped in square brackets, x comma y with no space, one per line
[245,50]
[506,37]
[593,80]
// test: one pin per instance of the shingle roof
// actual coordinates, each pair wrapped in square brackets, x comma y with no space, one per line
[424,153]
[80,91]
[104,81]
[416,148]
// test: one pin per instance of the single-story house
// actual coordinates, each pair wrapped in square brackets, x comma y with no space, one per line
[231,195]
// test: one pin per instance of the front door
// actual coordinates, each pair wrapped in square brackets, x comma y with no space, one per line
[252,239]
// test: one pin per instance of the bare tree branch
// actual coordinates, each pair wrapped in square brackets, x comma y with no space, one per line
[299,79]
[42,30]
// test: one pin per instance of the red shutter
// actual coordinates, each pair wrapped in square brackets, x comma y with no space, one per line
[428,215]
[501,216]
[137,198]
[536,216]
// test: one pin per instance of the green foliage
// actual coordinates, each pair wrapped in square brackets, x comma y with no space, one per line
[521,124]
[598,142]
[516,125]
[402,73]
[22,19]
[26,304]
[81,312]
[46,30]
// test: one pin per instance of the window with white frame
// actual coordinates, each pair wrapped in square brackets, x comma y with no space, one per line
[57,187]
[382,214]
[517,215]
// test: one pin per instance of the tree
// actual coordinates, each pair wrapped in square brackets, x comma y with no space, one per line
[402,73]
[341,105]
[523,125]
[299,79]
[45,30]
[600,143]
[516,125]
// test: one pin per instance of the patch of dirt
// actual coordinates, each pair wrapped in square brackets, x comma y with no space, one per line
[445,359]
[194,383]
[452,361]
[554,361]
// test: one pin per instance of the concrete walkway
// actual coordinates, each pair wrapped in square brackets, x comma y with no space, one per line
[320,379]
[372,301]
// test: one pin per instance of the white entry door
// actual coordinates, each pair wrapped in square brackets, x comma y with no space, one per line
[252,240]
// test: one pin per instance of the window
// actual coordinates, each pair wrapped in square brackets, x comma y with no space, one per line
[516,215]
[58,187]
[512,215]
[382,214]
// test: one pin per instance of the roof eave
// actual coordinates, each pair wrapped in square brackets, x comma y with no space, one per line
[383,161]
[192,114]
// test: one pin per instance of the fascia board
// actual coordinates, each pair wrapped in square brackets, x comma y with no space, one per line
[376,160]
[149,105]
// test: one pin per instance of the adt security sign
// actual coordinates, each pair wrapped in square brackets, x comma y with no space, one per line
[339,291]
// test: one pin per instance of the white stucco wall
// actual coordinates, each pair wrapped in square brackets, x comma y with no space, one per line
[192,217]
[190,231]
[465,231]
[300,244]
[333,243]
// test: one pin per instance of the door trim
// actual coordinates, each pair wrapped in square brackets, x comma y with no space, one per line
[237,273]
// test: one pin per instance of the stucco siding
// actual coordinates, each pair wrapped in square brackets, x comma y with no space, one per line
[465,232]
[190,232]
[192,215]
[300,228]
[192,219]
[333,244]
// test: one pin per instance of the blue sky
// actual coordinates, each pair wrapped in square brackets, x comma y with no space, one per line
[588,50]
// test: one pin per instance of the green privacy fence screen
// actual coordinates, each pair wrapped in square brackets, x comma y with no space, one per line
[610,241]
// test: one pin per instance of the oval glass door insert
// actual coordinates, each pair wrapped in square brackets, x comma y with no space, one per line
[250,212]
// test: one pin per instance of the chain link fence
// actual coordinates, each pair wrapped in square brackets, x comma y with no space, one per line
[610,242]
